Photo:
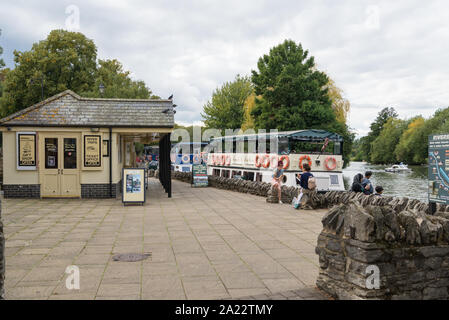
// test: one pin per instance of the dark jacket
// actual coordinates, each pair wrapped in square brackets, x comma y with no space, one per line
[357,183]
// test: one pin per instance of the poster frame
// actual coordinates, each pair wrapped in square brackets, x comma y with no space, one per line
[124,185]
[192,182]
[100,147]
[26,167]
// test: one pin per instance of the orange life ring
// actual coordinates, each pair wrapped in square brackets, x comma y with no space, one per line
[274,161]
[223,159]
[257,161]
[305,158]
[334,165]
[266,163]
[286,165]
[228,160]
[212,158]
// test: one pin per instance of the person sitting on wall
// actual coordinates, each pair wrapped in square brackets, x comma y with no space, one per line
[278,175]
[357,183]
[305,176]
[366,183]
[379,190]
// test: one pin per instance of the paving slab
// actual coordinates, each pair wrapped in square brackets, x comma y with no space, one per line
[202,244]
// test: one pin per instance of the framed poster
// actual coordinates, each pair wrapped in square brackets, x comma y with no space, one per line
[26,150]
[105,148]
[133,185]
[92,151]
[199,175]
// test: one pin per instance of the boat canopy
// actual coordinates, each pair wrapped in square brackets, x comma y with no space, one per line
[300,135]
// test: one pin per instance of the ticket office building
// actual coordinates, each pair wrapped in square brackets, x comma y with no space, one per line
[73,147]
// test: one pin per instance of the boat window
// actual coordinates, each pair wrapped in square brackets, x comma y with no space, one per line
[283,145]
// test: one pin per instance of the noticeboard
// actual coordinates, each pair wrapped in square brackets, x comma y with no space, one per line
[133,185]
[439,169]
[199,175]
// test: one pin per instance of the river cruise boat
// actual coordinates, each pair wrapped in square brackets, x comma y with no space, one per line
[252,159]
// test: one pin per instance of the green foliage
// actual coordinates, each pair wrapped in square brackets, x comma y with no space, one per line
[2,63]
[65,60]
[117,83]
[226,108]
[383,147]
[406,149]
[365,148]
[295,94]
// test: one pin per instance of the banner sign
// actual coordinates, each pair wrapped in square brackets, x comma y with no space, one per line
[133,185]
[92,151]
[27,150]
[439,169]
[199,173]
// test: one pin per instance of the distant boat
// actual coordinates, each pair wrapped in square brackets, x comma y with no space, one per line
[398,168]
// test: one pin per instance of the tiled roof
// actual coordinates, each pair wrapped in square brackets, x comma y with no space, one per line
[69,109]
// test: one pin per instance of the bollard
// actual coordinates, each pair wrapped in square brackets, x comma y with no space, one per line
[2,257]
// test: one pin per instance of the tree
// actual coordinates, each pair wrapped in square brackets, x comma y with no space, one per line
[65,60]
[225,109]
[340,105]
[376,127]
[2,63]
[294,93]
[383,148]
[117,83]
[407,146]
[248,107]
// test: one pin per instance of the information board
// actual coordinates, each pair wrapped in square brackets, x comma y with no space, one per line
[199,172]
[92,151]
[133,185]
[27,150]
[439,168]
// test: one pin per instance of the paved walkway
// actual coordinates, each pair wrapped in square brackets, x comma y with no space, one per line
[204,244]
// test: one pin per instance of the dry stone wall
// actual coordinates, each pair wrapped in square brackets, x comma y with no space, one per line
[405,250]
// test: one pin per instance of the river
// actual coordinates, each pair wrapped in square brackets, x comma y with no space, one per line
[410,185]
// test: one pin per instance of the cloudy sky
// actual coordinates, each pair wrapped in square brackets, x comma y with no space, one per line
[380,53]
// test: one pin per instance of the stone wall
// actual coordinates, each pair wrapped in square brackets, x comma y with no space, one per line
[408,248]
[2,257]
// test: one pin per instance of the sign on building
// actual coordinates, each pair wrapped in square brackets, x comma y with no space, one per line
[26,147]
[133,185]
[439,169]
[92,151]
[199,174]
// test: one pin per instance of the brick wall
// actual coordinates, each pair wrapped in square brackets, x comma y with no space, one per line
[22,190]
[99,190]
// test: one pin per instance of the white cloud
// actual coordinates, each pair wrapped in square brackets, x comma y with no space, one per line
[381,53]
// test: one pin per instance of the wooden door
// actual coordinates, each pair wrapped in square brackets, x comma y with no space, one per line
[59,165]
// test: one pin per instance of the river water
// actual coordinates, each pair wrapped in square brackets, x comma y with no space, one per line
[410,185]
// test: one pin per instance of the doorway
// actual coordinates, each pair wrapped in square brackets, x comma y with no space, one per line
[59,165]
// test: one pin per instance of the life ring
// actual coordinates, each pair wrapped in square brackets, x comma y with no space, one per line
[305,158]
[204,156]
[257,161]
[274,161]
[266,163]
[211,156]
[223,159]
[228,160]
[196,158]
[286,163]
[334,163]
[185,158]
